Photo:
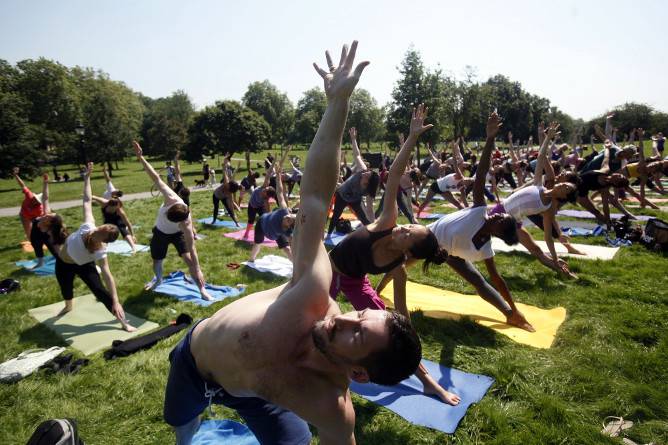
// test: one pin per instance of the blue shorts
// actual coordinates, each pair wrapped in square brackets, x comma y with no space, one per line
[187,396]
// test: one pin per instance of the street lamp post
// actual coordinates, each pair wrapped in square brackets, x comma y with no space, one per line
[81,131]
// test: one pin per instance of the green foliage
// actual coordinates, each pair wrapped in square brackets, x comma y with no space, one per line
[629,116]
[274,106]
[365,116]
[308,114]
[407,93]
[226,127]
[165,126]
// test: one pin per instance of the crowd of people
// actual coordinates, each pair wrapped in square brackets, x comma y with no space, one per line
[235,358]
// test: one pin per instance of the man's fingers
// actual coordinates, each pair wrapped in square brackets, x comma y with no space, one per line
[360,68]
[344,55]
[330,64]
[320,71]
[351,55]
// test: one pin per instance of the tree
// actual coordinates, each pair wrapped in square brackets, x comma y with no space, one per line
[310,109]
[166,122]
[274,106]
[407,93]
[227,127]
[366,116]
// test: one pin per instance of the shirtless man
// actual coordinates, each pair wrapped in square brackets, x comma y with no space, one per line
[285,356]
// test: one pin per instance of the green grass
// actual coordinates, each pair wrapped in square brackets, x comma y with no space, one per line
[609,357]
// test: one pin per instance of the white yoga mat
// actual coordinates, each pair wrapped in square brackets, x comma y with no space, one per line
[591,252]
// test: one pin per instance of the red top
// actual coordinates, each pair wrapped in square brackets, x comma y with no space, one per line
[31,207]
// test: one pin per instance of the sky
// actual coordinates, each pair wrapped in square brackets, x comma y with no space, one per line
[585,56]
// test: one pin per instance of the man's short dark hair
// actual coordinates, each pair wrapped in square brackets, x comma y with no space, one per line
[400,359]
[178,212]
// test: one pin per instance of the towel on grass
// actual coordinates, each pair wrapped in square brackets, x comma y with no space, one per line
[183,288]
[229,432]
[585,214]
[590,252]
[425,215]
[26,363]
[408,400]
[581,231]
[121,247]
[219,223]
[48,268]
[334,238]
[275,264]
[440,303]
[239,236]
[89,327]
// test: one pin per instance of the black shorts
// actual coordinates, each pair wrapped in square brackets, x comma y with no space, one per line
[434,187]
[161,241]
[123,229]
[259,236]
[253,212]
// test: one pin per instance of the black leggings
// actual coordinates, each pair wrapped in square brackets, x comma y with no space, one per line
[509,179]
[537,220]
[403,204]
[228,209]
[339,205]
[37,239]
[66,272]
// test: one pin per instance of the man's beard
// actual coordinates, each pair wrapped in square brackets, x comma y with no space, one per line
[318,337]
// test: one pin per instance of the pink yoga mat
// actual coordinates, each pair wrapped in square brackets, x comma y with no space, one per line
[240,236]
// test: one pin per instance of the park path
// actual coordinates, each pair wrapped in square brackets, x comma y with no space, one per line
[14,211]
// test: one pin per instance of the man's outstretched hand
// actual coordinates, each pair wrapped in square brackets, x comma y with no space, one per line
[493,125]
[417,122]
[138,151]
[340,81]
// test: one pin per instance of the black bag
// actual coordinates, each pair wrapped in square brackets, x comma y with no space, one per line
[656,234]
[344,226]
[8,285]
[56,432]
[127,347]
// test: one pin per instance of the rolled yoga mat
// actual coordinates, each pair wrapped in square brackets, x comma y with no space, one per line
[441,303]
[89,327]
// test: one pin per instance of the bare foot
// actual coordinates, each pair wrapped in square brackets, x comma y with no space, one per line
[127,327]
[205,295]
[572,250]
[517,319]
[445,396]
[152,284]
[64,311]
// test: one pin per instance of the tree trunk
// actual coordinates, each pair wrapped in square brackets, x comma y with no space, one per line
[110,169]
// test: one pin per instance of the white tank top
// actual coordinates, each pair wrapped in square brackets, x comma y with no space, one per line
[525,202]
[448,183]
[165,225]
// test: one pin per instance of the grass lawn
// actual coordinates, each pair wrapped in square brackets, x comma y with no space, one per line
[610,356]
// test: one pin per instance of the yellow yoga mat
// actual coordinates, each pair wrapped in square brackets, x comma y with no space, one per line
[440,303]
[89,327]
[590,252]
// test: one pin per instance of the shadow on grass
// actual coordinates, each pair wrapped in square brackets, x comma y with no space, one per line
[40,336]
[140,303]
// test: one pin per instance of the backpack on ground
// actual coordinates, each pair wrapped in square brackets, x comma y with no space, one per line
[56,432]
[9,285]
[344,226]
[656,234]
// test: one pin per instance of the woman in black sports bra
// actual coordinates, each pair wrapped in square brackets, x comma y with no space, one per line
[113,213]
[383,246]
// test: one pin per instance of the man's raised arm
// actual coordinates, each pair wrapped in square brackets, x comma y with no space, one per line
[322,163]
[167,192]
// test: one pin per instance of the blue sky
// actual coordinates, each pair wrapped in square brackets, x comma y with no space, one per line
[585,57]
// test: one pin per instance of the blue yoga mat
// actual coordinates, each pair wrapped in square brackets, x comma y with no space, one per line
[407,399]
[220,223]
[214,432]
[175,285]
[334,239]
[48,268]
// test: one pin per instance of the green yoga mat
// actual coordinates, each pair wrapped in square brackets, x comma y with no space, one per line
[89,327]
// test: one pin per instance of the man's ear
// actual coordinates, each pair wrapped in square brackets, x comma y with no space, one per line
[359,374]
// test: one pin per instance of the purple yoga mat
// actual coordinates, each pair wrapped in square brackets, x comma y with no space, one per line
[239,235]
